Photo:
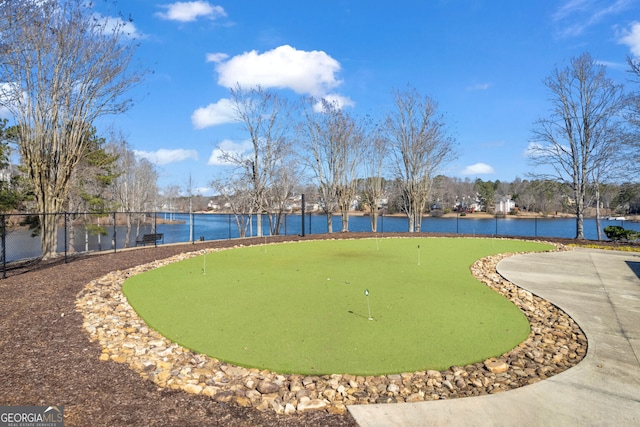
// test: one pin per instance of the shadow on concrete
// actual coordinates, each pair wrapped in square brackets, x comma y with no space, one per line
[635,267]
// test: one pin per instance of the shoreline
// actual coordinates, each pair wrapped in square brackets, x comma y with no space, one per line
[474,215]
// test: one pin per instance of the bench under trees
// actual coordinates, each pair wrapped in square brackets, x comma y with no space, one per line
[151,238]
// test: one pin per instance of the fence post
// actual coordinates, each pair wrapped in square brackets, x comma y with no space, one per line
[192,228]
[113,239]
[302,216]
[4,247]
[66,243]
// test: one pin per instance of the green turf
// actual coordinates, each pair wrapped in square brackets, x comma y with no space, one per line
[301,307]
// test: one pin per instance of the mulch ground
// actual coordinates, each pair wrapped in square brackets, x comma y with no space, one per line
[46,357]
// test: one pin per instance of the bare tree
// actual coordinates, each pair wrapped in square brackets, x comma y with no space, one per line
[581,137]
[89,189]
[265,117]
[444,192]
[333,142]
[61,68]
[374,156]
[284,179]
[419,147]
[632,115]
[237,194]
[135,190]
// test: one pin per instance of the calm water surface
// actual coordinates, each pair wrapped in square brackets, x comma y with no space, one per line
[20,245]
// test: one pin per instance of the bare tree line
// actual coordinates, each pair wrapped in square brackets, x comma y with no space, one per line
[333,148]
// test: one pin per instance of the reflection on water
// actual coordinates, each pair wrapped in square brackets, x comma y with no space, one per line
[20,244]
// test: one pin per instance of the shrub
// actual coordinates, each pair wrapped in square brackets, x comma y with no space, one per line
[617,233]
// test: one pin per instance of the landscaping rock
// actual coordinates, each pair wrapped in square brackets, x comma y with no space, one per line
[266,387]
[311,405]
[496,366]
[555,344]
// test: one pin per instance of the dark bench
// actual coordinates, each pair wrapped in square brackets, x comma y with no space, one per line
[150,239]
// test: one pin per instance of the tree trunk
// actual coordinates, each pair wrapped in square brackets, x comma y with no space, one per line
[100,236]
[374,220]
[411,219]
[329,222]
[275,222]
[138,228]
[598,211]
[345,216]
[345,221]
[259,224]
[127,237]
[48,236]
[580,226]
[418,220]
[86,233]
[71,232]
[414,214]
[49,206]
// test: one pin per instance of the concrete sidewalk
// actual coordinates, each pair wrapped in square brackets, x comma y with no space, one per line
[601,291]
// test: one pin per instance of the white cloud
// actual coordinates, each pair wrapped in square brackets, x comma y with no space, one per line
[338,101]
[164,157]
[575,16]
[190,11]
[535,149]
[119,25]
[478,169]
[229,147]
[479,86]
[216,57]
[611,64]
[203,191]
[312,73]
[307,73]
[219,113]
[569,8]
[631,38]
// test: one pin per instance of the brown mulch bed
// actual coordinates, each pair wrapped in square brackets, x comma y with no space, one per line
[46,357]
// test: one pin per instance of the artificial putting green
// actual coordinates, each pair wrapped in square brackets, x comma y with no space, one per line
[301,307]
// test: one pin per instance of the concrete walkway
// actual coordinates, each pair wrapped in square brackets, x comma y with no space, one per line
[601,291]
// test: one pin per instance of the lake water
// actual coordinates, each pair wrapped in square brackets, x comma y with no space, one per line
[20,245]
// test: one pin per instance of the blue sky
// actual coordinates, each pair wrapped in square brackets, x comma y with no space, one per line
[482,61]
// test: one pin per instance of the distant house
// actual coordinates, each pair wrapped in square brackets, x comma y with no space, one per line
[504,205]
[311,207]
